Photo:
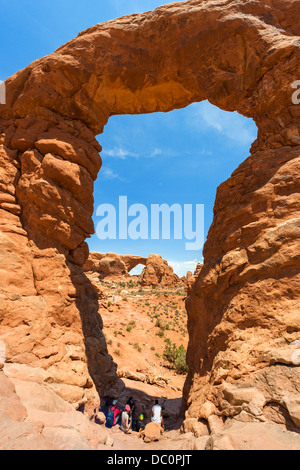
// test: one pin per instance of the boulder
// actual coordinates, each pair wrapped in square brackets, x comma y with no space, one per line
[152,432]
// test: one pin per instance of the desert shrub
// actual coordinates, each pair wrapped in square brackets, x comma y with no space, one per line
[131,325]
[176,357]
[180,364]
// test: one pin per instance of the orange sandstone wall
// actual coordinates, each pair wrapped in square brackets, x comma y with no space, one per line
[242,56]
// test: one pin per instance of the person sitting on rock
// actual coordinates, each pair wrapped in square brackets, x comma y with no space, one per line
[131,403]
[113,415]
[140,425]
[125,420]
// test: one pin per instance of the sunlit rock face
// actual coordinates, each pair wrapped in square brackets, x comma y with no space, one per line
[112,264]
[244,305]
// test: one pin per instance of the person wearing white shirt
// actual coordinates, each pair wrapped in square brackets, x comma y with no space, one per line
[157,416]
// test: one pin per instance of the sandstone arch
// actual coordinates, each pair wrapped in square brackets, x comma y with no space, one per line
[241,55]
[112,264]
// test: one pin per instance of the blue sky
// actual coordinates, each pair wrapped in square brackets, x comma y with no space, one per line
[178,157]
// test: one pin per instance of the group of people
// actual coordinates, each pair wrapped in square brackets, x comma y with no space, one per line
[125,416]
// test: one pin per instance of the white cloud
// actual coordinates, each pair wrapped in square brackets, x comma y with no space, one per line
[137,270]
[182,267]
[119,152]
[108,173]
[122,154]
[233,126]
[155,153]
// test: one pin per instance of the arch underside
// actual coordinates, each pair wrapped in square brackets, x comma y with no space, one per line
[241,56]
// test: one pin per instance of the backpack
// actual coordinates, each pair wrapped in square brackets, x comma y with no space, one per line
[110,418]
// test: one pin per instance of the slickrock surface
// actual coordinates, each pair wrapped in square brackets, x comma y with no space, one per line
[34,417]
[244,306]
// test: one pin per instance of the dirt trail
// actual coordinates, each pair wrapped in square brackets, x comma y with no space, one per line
[171,440]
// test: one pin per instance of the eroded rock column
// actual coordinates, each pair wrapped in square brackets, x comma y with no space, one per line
[243,309]
[49,310]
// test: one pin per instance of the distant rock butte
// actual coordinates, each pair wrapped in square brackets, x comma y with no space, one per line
[156,272]
[243,306]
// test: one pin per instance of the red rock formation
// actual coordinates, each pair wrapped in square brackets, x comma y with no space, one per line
[191,278]
[240,55]
[158,272]
[33,417]
[107,264]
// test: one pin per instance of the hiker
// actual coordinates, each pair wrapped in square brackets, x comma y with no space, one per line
[131,403]
[125,420]
[113,415]
[139,424]
[157,416]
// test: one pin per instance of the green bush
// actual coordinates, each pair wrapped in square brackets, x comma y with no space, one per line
[131,284]
[180,364]
[176,357]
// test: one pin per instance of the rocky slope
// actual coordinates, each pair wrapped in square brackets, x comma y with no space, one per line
[244,305]
[34,417]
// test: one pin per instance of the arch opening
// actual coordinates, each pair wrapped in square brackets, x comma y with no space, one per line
[185,154]
[179,157]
